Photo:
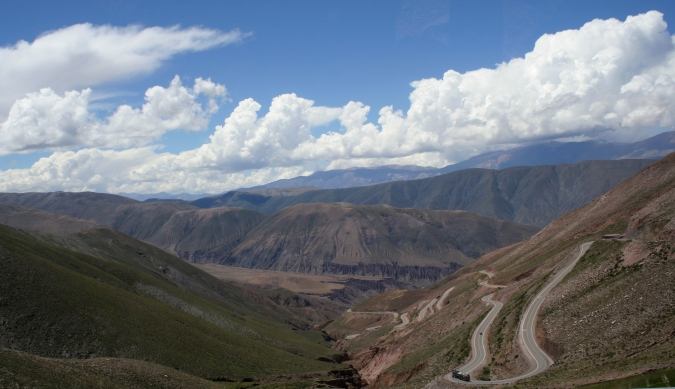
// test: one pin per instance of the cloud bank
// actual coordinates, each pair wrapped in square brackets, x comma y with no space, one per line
[608,79]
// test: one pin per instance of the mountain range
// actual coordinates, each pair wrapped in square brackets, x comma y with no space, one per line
[420,237]
[532,195]
[541,153]
[545,153]
[89,283]
[555,153]
[403,244]
[198,235]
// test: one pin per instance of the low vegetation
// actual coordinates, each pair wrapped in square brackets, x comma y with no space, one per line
[651,379]
[610,318]
[135,301]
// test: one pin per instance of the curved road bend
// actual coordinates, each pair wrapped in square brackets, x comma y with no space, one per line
[526,333]
[479,344]
[393,314]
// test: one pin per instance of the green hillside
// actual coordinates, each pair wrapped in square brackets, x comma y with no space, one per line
[23,370]
[101,293]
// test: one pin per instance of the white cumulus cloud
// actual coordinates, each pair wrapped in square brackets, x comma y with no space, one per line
[135,170]
[86,55]
[610,78]
[45,119]
[247,141]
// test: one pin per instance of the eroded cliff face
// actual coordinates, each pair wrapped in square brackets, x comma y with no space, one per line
[204,235]
[418,274]
[403,244]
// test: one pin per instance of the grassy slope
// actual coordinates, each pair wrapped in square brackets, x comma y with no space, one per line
[652,379]
[135,301]
[611,319]
[20,370]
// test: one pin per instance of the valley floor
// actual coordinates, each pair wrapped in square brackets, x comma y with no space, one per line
[312,284]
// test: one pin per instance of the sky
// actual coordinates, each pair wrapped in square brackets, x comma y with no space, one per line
[204,97]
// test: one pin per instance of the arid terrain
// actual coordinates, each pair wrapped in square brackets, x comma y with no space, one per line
[592,331]
[403,244]
[382,194]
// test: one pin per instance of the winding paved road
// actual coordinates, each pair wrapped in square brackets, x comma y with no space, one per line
[479,344]
[526,333]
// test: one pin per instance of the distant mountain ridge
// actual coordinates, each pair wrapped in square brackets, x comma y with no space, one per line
[418,236]
[408,245]
[546,153]
[542,153]
[343,178]
[555,153]
[529,195]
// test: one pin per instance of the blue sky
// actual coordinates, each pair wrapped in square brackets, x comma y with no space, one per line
[329,52]
[332,51]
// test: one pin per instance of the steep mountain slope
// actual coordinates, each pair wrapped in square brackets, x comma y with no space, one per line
[205,235]
[527,195]
[191,233]
[99,293]
[140,220]
[98,207]
[611,317]
[34,220]
[372,240]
